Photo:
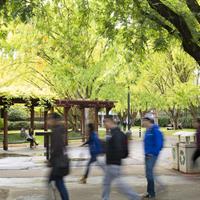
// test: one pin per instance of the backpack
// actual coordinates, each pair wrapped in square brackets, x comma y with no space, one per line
[125,148]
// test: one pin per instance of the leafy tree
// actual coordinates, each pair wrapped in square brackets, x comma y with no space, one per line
[167,83]
[145,23]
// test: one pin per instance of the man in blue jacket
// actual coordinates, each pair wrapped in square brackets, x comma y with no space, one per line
[153,144]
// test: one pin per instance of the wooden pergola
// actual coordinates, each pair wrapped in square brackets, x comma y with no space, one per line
[66,104]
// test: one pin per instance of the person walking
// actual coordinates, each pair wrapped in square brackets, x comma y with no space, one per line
[153,144]
[124,124]
[196,154]
[116,150]
[59,161]
[95,149]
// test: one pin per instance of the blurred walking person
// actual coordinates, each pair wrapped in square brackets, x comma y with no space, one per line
[153,144]
[116,150]
[95,148]
[196,154]
[59,160]
[124,124]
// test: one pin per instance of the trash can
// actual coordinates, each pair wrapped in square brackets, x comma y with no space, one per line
[175,156]
[175,152]
[186,151]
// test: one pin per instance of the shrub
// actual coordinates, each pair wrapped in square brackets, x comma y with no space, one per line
[163,121]
[187,122]
[24,124]
[17,114]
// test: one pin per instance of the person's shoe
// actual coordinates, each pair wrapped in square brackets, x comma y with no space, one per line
[83,180]
[148,196]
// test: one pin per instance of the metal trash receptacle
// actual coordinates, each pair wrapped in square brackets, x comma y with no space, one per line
[175,156]
[186,151]
[175,152]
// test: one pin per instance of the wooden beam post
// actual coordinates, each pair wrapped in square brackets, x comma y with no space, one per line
[96,119]
[83,124]
[32,127]
[107,114]
[32,118]
[108,110]
[5,129]
[45,119]
[45,127]
[66,111]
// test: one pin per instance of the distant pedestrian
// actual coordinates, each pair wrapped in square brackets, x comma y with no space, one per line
[153,144]
[124,124]
[95,148]
[29,137]
[196,154]
[59,160]
[116,151]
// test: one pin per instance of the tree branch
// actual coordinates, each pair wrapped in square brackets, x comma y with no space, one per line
[188,41]
[154,18]
[195,8]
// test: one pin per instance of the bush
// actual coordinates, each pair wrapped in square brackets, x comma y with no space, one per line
[18,125]
[24,124]
[163,121]
[187,122]
[17,114]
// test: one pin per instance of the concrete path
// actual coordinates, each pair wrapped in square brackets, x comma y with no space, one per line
[23,175]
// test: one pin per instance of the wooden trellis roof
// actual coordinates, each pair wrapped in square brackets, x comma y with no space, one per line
[61,103]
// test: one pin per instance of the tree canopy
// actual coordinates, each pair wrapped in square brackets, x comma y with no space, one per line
[98,49]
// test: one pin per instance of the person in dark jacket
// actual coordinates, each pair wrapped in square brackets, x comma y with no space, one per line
[114,152]
[95,149]
[196,154]
[58,154]
[153,144]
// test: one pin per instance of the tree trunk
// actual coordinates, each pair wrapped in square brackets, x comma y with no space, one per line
[133,117]
[189,43]
[175,123]
[174,115]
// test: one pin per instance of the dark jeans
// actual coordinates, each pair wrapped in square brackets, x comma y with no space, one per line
[150,162]
[196,155]
[92,160]
[59,182]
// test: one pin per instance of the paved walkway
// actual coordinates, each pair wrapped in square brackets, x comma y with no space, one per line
[23,175]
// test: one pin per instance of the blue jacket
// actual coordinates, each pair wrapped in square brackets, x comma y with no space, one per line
[94,143]
[153,141]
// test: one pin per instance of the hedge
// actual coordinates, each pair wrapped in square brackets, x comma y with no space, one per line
[164,121]
[15,114]
[187,122]
[24,124]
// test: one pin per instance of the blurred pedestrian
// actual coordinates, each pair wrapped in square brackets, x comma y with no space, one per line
[23,132]
[59,160]
[116,151]
[124,124]
[29,137]
[196,154]
[153,144]
[95,148]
